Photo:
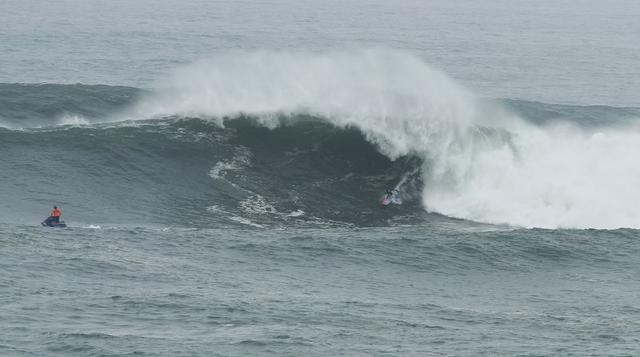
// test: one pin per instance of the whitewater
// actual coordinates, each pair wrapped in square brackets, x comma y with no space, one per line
[220,165]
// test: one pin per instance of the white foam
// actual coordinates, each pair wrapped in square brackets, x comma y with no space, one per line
[401,103]
[220,168]
[72,119]
[257,205]
[297,213]
[214,209]
[245,221]
[558,177]
[241,160]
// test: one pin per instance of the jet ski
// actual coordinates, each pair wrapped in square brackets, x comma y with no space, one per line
[51,223]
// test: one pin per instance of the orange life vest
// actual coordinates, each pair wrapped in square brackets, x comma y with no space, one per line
[55,213]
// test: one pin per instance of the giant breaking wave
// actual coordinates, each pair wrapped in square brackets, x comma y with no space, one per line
[503,162]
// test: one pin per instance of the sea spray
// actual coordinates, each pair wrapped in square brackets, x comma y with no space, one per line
[560,176]
[394,98]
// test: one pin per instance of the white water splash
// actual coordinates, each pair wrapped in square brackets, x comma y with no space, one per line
[73,119]
[297,213]
[240,160]
[257,205]
[558,177]
[400,103]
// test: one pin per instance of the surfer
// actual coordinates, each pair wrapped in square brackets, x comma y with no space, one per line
[390,197]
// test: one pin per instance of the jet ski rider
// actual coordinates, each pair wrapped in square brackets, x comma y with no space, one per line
[55,215]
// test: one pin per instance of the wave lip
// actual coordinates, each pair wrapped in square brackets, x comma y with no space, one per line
[399,102]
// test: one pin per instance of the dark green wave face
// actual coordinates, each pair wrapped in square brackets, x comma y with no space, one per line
[191,172]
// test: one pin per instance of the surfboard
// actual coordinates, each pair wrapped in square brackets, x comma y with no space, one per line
[61,224]
[385,200]
[388,199]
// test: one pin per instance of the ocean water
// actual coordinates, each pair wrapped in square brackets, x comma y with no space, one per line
[220,164]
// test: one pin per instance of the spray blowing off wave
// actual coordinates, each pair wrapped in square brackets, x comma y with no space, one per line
[396,100]
[491,168]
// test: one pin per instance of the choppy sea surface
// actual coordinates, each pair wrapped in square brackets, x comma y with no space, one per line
[220,167]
